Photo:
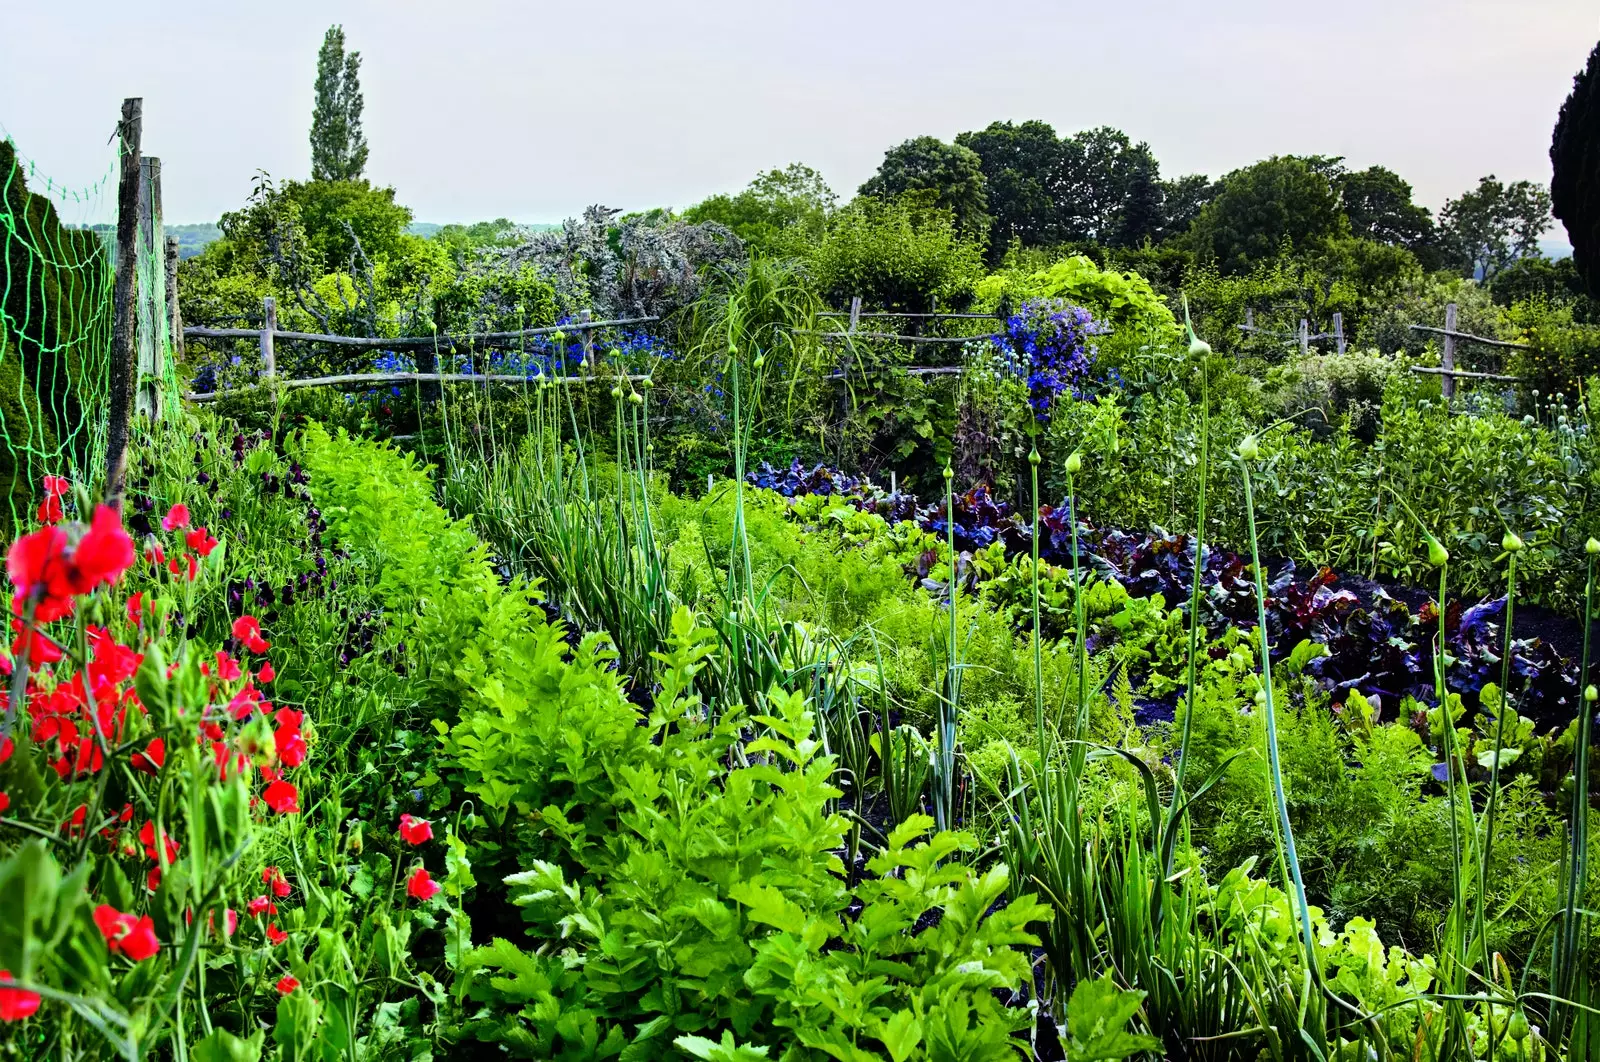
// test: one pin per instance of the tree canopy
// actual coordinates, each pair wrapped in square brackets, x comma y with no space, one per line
[951,173]
[1282,202]
[1494,224]
[1575,160]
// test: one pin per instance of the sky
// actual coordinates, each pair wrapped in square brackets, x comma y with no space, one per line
[532,110]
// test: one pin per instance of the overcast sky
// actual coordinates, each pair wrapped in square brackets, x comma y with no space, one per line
[477,109]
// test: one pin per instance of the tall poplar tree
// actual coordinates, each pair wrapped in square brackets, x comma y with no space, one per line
[338,147]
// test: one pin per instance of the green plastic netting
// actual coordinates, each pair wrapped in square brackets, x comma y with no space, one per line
[57,263]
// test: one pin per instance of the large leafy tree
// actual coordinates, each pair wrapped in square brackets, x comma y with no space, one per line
[782,211]
[1021,165]
[1494,224]
[1096,171]
[338,146]
[1283,203]
[1575,160]
[1378,203]
[1143,214]
[951,175]
[1182,199]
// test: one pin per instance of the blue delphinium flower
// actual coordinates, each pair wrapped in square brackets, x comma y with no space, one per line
[1047,342]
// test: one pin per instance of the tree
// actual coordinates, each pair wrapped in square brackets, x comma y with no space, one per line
[1183,198]
[1020,164]
[1495,224]
[952,173]
[896,256]
[1378,204]
[338,147]
[1143,215]
[1094,173]
[782,211]
[1575,161]
[1282,203]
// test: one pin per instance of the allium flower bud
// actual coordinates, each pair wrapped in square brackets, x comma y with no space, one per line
[1074,464]
[1249,448]
[1511,543]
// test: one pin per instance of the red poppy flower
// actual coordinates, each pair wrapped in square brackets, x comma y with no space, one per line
[276,935]
[15,1003]
[420,886]
[126,934]
[415,831]
[260,906]
[150,760]
[248,630]
[287,984]
[177,516]
[282,797]
[201,541]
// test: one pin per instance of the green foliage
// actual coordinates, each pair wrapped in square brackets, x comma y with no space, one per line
[946,177]
[895,255]
[1264,209]
[781,212]
[1494,224]
[1575,183]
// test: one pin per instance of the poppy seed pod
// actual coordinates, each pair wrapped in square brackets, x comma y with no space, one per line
[1511,543]
[1074,464]
[1249,448]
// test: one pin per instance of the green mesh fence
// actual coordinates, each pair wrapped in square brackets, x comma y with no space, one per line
[55,330]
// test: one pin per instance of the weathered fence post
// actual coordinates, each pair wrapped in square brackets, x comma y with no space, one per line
[1305,337]
[1447,357]
[1338,331]
[152,315]
[120,412]
[174,314]
[269,325]
[1249,319]
[855,311]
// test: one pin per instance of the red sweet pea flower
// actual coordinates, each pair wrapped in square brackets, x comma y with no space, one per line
[227,667]
[150,760]
[175,568]
[287,984]
[282,797]
[152,879]
[415,831]
[147,837]
[260,906]
[177,516]
[74,823]
[125,934]
[41,648]
[104,553]
[6,747]
[55,486]
[5,801]
[201,541]
[420,886]
[248,630]
[266,674]
[290,746]
[15,1003]
[50,511]
[276,935]
[136,608]
[39,567]
[274,877]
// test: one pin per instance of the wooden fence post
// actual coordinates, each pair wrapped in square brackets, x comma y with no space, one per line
[120,412]
[269,325]
[1249,319]
[1447,381]
[174,314]
[855,312]
[1305,337]
[152,316]
[1338,331]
